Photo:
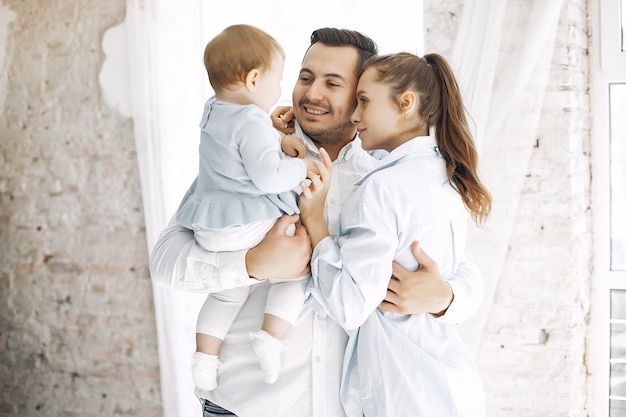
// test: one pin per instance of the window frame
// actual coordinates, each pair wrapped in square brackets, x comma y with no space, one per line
[608,67]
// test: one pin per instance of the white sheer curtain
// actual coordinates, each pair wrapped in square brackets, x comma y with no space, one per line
[155,76]
[502,56]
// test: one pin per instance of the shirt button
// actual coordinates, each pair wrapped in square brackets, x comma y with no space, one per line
[317,316]
[237,281]
[332,201]
[317,359]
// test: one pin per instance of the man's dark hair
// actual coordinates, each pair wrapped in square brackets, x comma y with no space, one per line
[344,37]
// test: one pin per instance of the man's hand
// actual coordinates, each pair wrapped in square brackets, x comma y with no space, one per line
[421,291]
[280,255]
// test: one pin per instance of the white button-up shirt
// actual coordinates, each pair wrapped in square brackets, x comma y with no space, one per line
[397,364]
[309,381]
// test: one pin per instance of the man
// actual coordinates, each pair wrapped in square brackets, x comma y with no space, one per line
[308,385]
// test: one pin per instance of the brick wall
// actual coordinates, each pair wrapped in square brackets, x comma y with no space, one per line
[532,355]
[77,331]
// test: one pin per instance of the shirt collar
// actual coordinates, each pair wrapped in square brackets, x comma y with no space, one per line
[348,151]
[419,145]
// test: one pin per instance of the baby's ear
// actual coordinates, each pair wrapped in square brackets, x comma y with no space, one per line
[252,79]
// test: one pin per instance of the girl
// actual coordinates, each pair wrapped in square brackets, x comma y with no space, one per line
[396,364]
[245,183]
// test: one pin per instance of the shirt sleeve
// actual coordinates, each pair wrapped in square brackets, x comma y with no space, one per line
[178,262]
[468,287]
[349,276]
[268,167]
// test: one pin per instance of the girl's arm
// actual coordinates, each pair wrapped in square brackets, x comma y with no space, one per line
[348,276]
[313,198]
[348,292]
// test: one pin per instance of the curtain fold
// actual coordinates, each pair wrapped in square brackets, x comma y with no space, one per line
[502,55]
[165,120]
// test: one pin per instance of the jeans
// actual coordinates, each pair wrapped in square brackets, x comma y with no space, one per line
[213,410]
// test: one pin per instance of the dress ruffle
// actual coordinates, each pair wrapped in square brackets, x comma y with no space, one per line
[197,214]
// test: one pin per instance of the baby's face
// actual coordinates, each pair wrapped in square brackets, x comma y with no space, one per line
[268,89]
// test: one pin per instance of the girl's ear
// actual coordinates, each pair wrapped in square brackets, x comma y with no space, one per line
[252,79]
[408,102]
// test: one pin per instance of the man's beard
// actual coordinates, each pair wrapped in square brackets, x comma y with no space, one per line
[331,135]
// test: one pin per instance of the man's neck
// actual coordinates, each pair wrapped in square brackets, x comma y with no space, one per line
[333,149]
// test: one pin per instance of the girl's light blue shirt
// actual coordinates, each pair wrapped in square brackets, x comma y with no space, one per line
[395,364]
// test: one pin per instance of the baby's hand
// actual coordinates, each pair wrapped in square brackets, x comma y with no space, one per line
[293,146]
[291,230]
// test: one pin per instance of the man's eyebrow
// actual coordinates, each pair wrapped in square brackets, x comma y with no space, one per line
[333,75]
[327,75]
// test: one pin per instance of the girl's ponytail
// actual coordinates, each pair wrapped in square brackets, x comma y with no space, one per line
[455,141]
[440,106]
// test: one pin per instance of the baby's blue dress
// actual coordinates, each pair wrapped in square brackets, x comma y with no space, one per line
[244,176]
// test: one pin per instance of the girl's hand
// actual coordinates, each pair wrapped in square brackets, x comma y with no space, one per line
[313,198]
[283,119]
[312,168]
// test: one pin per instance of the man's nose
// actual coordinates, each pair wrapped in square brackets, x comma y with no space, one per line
[314,93]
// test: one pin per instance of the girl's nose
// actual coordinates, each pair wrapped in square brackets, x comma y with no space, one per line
[356,116]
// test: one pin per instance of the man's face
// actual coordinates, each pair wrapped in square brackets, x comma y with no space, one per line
[324,95]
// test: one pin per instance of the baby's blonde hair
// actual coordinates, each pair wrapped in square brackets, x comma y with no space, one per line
[236,51]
